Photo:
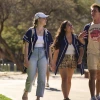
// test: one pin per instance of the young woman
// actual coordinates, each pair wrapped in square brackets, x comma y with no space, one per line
[37,42]
[68,52]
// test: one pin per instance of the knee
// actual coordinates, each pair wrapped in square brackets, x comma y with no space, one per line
[64,79]
[42,83]
[69,80]
[30,80]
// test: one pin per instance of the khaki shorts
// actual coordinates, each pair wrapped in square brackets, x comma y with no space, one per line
[69,61]
[93,62]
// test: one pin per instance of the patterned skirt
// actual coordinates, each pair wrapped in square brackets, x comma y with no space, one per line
[69,61]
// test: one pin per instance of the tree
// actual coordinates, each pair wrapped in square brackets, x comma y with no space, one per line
[5,10]
[16,17]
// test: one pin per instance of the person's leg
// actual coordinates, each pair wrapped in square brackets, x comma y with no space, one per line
[70,72]
[42,68]
[35,77]
[66,75]
[63,74]
[31,71]
[92,62]
[92,82]
[47,75]
[98,83]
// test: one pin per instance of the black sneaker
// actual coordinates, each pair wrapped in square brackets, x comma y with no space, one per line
[67,99]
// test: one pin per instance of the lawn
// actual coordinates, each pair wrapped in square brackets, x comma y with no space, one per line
[2,97]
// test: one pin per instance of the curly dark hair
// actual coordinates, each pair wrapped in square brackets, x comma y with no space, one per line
[60,34]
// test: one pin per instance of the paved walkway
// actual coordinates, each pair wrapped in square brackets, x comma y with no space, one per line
[13,88]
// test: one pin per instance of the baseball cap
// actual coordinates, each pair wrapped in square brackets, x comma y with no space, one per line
[97,3]
[40,15]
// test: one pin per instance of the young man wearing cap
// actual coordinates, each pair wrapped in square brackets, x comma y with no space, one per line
[37,51]
[92,32]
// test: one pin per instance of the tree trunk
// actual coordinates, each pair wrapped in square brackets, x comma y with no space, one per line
[10,56]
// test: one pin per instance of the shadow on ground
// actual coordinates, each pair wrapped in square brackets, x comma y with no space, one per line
[52,89]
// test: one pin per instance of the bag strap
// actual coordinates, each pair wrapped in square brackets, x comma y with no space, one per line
[46,31]
[33,31]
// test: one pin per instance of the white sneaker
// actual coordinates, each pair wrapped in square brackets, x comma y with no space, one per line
[98,97]
[93,98]
[47,84]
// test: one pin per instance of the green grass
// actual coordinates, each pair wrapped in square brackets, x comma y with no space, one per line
[2,97]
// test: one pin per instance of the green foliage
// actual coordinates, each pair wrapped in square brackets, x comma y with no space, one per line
[2,97]
[22,12]
[12,37]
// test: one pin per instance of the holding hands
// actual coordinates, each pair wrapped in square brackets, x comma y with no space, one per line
[26,62]
[53,66]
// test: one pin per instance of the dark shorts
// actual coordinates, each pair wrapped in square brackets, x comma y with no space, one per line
[69,61]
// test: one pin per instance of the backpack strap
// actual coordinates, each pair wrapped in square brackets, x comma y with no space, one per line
[46,31]
[87,27]
[33,31]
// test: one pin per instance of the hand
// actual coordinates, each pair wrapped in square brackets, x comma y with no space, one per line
[83,34]
[79,60]
[26,62]
[53,67]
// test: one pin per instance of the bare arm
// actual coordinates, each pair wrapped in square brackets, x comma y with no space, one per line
[50,54]
[26,50]
[81,55]
[55,56]
[26,64]
[82,36]
[81,40]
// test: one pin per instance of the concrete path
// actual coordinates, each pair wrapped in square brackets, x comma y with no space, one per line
[13,88]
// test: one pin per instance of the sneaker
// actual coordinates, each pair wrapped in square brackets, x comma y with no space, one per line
[93,98]
[67,99]
[98,97]
[47,85]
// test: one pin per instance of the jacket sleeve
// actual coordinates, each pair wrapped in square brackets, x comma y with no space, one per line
[27,36]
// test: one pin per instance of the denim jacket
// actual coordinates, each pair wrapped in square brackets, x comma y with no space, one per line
[31,39]
[63,48]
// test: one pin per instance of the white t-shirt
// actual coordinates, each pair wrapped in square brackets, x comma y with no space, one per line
[70,49]
[39,42]
[93,45]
